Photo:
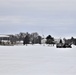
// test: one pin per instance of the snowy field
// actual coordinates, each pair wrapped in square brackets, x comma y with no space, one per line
[37,60]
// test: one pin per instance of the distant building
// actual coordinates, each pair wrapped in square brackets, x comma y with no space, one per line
[4,40]
[4,37]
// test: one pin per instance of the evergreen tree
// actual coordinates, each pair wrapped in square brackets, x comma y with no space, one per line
[60,41]
[26,40]
[50,40]
[39,39]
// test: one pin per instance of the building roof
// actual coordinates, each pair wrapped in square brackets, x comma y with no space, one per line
[4,36]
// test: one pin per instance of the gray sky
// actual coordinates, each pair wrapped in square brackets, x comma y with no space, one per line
[55,17]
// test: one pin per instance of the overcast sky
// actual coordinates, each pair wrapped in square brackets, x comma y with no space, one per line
[55,17]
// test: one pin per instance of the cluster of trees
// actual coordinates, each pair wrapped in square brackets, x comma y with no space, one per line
[37,39]
[72,40]
[33,38]
[27,38]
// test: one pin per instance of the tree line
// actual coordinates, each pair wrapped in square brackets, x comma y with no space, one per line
[35,38]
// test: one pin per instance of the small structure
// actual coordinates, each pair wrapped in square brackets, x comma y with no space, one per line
[4,40]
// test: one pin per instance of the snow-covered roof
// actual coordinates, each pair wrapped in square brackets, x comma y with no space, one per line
[4,36]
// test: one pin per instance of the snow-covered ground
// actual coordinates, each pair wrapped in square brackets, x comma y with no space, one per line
[37,60]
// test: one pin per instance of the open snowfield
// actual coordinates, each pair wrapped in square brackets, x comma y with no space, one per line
[37,60]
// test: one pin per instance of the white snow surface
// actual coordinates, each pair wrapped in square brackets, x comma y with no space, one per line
[37,60]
